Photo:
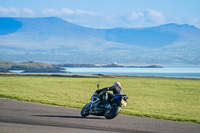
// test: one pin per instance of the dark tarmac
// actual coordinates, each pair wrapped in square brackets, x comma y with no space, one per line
[24,117]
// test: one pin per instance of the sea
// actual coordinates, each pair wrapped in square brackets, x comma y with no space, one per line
[168,71]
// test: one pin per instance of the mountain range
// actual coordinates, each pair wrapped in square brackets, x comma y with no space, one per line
[52,39]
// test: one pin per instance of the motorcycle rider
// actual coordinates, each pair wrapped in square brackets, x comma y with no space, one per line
[106,96]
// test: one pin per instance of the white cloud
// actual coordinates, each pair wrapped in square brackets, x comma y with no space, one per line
[3,10]
[9,12]
[15,12]
[135,16]
[49,12]
[146,18]
[196,22]
[29,11]
[67,11]
[88,13]
[26,12]
[91,19]
[64,12]
[155,16]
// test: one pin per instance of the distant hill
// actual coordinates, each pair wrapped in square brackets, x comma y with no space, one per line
[154,36]
[30,67]
[55,40]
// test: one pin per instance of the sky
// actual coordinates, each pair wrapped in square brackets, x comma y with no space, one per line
[108,13]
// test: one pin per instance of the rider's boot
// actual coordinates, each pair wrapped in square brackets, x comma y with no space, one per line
[107,106]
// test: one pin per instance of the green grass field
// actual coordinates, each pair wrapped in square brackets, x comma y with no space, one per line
[162,98]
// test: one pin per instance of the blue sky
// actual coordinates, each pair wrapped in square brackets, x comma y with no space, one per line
[108,13]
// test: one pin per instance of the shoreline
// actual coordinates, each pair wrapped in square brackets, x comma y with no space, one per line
[89,75]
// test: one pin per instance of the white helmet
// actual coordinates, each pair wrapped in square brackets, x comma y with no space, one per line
[117,84]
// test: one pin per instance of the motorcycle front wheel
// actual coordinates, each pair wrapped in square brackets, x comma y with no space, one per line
[113,112]
[85,110]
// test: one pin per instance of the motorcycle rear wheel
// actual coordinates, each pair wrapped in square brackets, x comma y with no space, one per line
[85,110]
[113,112]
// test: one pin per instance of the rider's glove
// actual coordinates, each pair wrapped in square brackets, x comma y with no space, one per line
[98,91]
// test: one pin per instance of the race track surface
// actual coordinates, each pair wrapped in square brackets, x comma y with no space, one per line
[24,117]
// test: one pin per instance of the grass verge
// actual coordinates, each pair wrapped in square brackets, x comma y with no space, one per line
[161,98]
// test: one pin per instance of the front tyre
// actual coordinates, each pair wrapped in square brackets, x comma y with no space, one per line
[113,112]
[85,110]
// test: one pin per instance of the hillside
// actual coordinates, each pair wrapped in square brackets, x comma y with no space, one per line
[154,36]
[30,67]
[56,40]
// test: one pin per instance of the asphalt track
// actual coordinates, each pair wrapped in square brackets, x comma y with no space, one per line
[24,117]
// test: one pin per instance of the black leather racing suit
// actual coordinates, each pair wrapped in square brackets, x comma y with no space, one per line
[106,97]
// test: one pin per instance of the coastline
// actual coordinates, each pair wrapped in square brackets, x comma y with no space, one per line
[89,76]
[40,67]
[112,70]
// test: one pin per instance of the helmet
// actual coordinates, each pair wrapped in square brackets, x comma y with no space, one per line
[117,84]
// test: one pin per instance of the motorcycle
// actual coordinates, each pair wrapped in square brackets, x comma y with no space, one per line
[95,108]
